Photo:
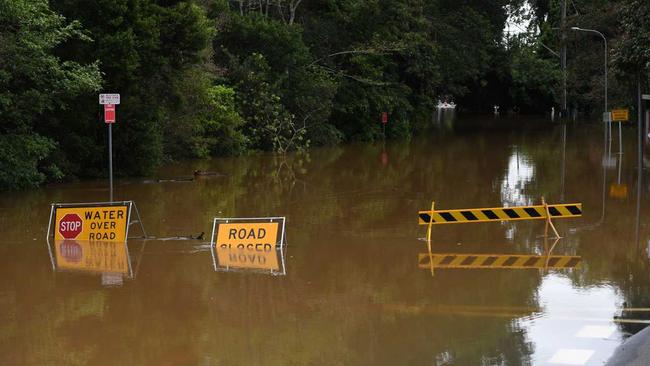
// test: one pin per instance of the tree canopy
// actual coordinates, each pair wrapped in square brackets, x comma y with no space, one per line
[200,78]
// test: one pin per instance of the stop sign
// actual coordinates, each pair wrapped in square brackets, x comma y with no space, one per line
[70,226]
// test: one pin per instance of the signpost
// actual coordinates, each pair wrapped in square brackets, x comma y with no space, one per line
[248,243]
[109,101]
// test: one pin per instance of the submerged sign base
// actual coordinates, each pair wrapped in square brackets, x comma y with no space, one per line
[249,244]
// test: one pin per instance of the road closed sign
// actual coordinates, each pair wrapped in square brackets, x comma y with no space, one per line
[248,242]
[107,223]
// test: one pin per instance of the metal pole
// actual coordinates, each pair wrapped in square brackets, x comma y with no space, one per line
[606,105]
[609,126]
[110,159]
[640,161]
[563,160]
[563,58]
[620,139]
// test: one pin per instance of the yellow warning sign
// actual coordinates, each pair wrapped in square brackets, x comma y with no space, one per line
[460,216]
[91,256]
[620,115]
[247,235]
[251,257]
[503,261]
[249,243]
[92,223]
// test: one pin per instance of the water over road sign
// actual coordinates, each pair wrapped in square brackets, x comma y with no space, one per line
[92,223]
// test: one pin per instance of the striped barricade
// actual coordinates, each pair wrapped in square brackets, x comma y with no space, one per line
[463,216]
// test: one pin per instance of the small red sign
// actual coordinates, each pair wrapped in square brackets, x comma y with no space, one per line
[70,226]
[109,113]
[384,117]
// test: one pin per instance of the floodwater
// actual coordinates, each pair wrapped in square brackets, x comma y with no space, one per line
[348,288]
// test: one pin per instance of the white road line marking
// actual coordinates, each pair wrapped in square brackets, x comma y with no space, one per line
[596,331]
[566,356]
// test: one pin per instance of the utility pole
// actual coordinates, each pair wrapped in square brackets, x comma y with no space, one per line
[563,114]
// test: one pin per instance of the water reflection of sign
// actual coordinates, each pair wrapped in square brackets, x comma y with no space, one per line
[503,261]
[618,191]
[248,243]
[91,256]
[94,223]
[252,257]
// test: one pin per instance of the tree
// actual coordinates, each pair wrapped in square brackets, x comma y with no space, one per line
[35,85]
[632,54]
[147,52]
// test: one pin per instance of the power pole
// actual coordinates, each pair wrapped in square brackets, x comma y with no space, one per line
[563,114]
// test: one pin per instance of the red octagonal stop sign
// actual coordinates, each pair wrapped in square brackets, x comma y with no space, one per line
[70,226]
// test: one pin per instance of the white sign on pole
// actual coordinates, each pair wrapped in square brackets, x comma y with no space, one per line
[607,117]
[645,97]
[109,99]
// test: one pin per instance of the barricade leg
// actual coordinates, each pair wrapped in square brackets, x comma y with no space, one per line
[549,221]
[429,237]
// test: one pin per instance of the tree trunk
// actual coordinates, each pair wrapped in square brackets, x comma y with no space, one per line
[293,5]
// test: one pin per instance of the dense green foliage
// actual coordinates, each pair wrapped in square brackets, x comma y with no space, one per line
[213,77]
[34,83]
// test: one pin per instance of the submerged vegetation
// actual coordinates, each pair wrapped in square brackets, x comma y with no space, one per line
[217,77]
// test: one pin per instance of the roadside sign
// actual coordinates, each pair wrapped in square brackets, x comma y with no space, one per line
[645,96]
[249,243]
[609,161]
[109,113]
[70,226]
[384,117]
[92,256]
[87,222]
[109,99]
[607,117]
[620,115]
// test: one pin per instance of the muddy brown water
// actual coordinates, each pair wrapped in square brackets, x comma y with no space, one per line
[353,293]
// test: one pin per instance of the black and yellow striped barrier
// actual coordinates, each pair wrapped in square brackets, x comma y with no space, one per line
[463,216]
[496,261]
